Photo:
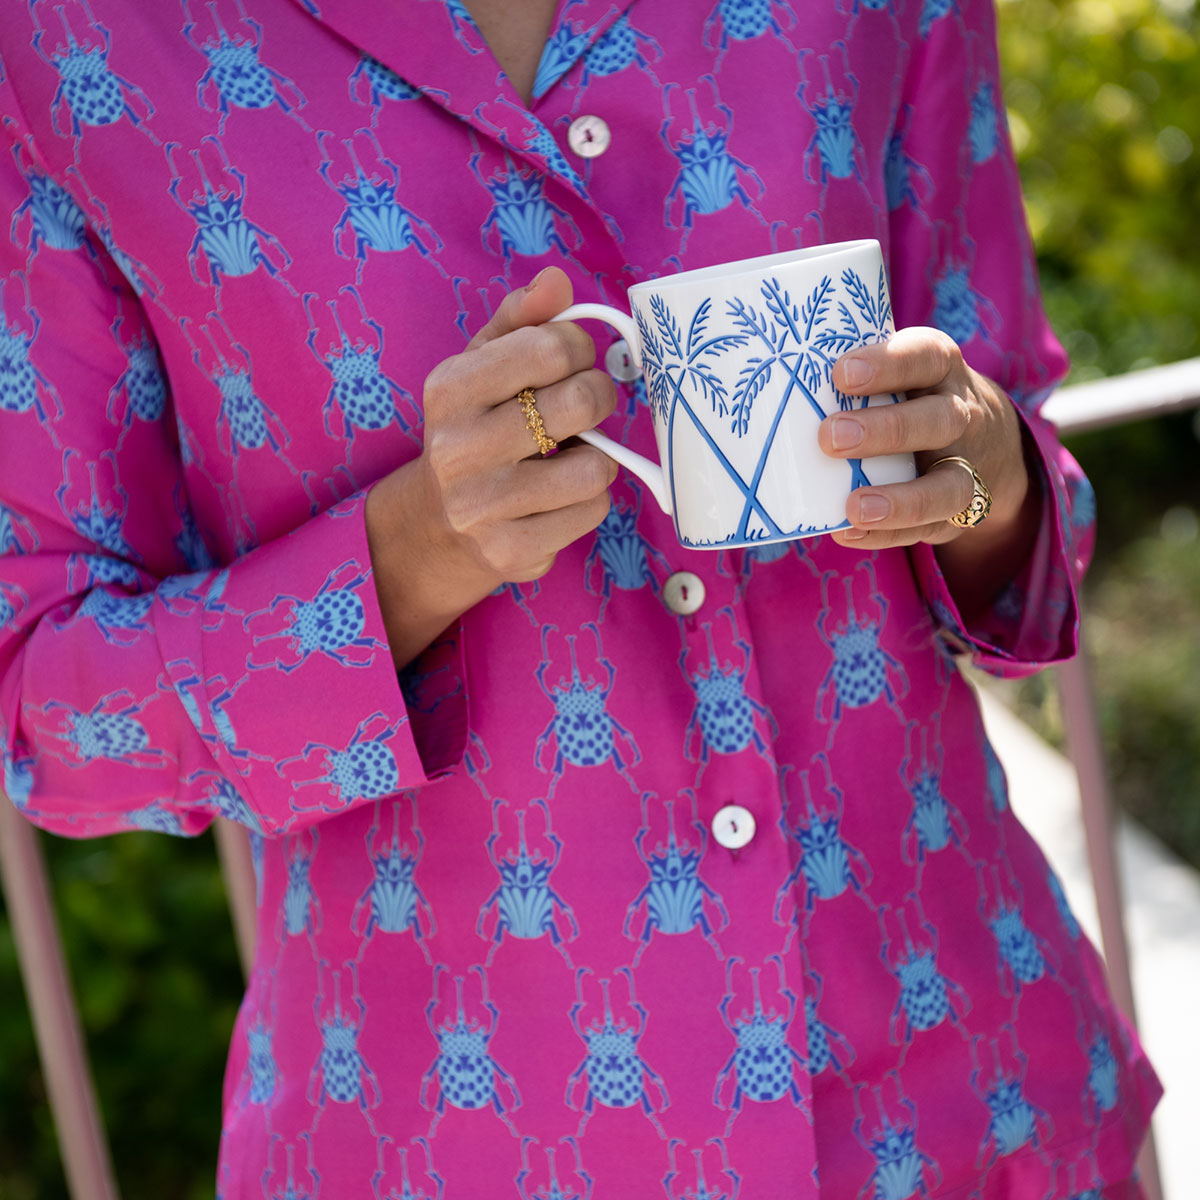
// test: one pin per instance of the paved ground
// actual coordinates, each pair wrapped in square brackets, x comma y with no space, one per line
[1162,898]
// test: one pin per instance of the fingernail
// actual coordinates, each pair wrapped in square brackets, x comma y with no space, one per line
[873,508]
[845,433]
[534,281]
[852,535]
[855,371]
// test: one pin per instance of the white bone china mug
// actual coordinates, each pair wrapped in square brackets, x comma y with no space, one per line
[737,360]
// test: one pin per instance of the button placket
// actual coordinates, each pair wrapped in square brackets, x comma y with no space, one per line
[589,136]
[733,827]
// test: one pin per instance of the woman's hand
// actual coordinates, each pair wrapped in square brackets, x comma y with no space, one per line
[951,410]
[480,506]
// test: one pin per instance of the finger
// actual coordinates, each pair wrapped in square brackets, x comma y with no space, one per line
[910,360]
[545,296]
[576,474]
[930,498]
[524,548]
[567,408]
[929,422]
[886,539]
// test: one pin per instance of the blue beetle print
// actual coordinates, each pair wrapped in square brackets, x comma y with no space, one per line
[905,180]
[18,780]
[933,11]
[181,594]
[341,1070]
[1014,1120]
[55,219]
[553,1188]
[827,863]
[584,732]
[997,781]
[141,385]
[859,674]
[364,398]
[153,818]
[701,1189]
[675,896]
[17,535]
[958,309]
[1021,954]
[621,552]
[204,701]
[1060,902]
[378,219]
[983,134]
[900,1164]
[935,822]
[616,1073]
[23,387]
[221,796]
[522,220]
[288,1189]
[13,600]
[331,622]
[763,1064]
[231,244]
[708,176]
[725,717]
[619,47]
[300,911]
[1103,1091]
[382,86]
[927,997]
[88,86]
[119,619]
[97,514]
[826,1046]
[392,899]
[383,1190]
[261,1068]
[835,148]
[464,1068]
[745,20]
[109,730]
[234,69]
[524,905]
[564,46]
[364,769]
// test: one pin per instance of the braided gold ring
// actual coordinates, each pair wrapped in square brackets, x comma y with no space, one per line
[534,423]
[981,498]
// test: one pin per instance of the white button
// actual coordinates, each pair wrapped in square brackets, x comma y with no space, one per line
[683,593]
[733,827]
[588,136]
[618,362]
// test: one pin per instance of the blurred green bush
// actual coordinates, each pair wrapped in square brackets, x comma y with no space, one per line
[1104,113]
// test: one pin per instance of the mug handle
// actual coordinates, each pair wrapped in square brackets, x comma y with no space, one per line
[648,471]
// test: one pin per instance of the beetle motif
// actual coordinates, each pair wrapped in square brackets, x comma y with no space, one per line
[933,11]
[463,25]
[1014,1120]
[835,151]
[141,384]
[378,219]
[95,94]
[996,781]
[935,822]
[701,1190]
[17,535]
[1021,955]
[364,769]
[827,862]
[745,20]
[204,702]
[958,309]
[524,904]
[763,1064]
[332,622]
[383,85]
[983,133]
[465,1071]
[223,798]
[154,818]
[617,1075]
[236,72]
[900,1164]
[674,897]
[120,619]
[622,553]
[271,1190]
[18,779]
[100,518]
[725,716]
[108,730]
[708,176]
[405,1191]
[301,909]
[23,387]
[905,180]
[1060,902]
[231,244]
[522,221]
[392,897]
[858,675]
[55,219]
[260,1059]
[552,1189]
[13,600]
[619,47]
[180,594]
[1103,1090]
[825,1044]
[562,50]
[584,732]
[340,1067]
[927,997]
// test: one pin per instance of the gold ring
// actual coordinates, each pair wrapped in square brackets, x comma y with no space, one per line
[533,422]
[981,499]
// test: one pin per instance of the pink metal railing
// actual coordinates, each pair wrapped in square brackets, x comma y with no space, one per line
[1140,394]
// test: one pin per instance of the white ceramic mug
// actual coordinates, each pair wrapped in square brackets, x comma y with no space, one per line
[737,360]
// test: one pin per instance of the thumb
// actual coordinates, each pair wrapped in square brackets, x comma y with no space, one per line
[545,296]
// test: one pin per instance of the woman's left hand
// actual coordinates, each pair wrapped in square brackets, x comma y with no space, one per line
[951,410]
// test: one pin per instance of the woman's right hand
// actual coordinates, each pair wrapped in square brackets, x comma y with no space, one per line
[480,506]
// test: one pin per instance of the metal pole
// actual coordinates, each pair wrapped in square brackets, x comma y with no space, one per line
[1087,754]
[237,868]
[81,1136]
